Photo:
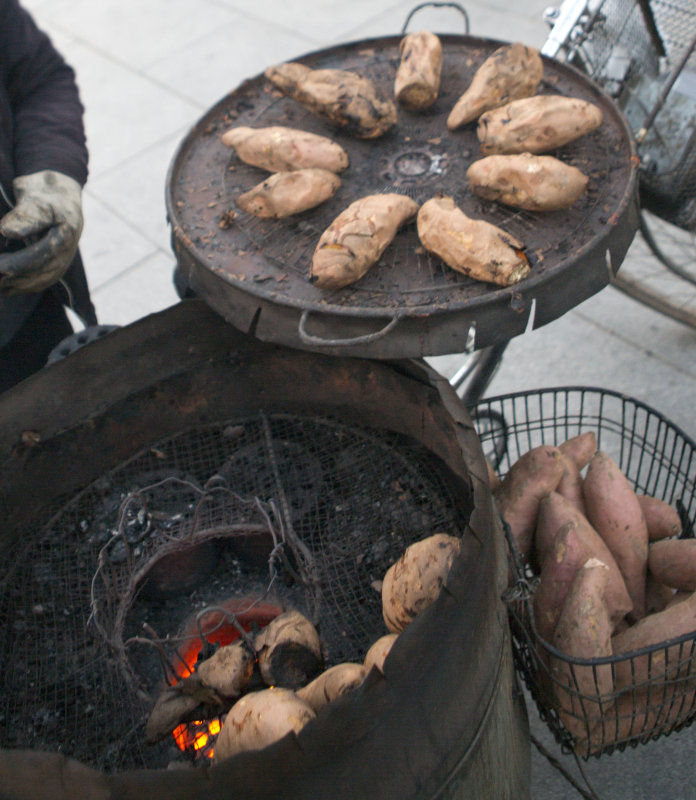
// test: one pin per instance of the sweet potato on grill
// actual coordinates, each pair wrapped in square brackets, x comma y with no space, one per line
[673,562]
[662,519]
[535,183]
[474,247]
[258,719]
[332,684]
[536,124]
[414,581]
[614,512]
[417,79]
[228,670]
[288,650]
[529,479]
[511,72]
[340,97]
[358,236]
[580,448]
[286,193]
[584,631]
[280,149]
[378,652]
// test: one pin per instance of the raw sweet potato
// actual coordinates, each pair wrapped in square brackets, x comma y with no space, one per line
[664,663]
[536,124]
[414,581]
[534,183]
[575,543]
[358,236]
[657,594]
[288,650]
[570,484]
[378,652]
[529,479]
[417,79]
[662,519]
[580,448]
[280,149]
[474,247]
[511,72]
[333,683]
[260,718]
[673,562]
[340,97]
[614,512]
[584,631]
[286,193]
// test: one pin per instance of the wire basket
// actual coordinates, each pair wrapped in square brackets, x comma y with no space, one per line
[659,696]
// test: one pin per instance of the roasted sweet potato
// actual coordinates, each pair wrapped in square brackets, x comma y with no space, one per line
[417,79]
[673,562]
[511,72]
[342,98]
[534,183]
[584,631]
[260,718]
[662,519]
[474,247]
[580,448]
[614,512]
[286,193]
[279,149]
[288,650]
[358,236]
[378,652]
[529,479]
[228,670]
[536,124]
[414,581]
[332,684]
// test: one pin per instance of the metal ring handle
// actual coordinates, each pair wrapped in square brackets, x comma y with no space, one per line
[307,338]
[459,8]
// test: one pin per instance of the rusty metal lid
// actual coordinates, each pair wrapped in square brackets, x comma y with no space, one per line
[255,272]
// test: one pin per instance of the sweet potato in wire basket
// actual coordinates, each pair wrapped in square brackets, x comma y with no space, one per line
[594,706]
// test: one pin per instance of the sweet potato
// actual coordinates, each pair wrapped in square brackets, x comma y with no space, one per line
[536,124]
[662,519]
[511,72]
[529,479]
[286,193]
[358,236]
[673,562]
[378,652]
[280,149]
[574,543]
[584,631]
[580,448]
[414,581]
[474,247]
[228,670]
[332,684]
[614,512]
[260,718]
[534,183]
[657,594]
[570,484]
[340,97]
[288,650]
[664,663]
[417,79]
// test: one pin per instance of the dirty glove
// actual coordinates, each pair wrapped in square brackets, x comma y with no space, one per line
[48,217]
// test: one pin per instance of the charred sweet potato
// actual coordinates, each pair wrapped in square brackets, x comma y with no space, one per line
[536,124]
[342,98]
[511,72]
[288,650]
[417,79]
[286,193]
[534,183]
[358,236]
[280,149]
[471,246]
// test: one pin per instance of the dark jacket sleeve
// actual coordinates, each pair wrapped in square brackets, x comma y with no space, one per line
[47,123]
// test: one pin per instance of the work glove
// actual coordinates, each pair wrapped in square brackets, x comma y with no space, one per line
[48,218]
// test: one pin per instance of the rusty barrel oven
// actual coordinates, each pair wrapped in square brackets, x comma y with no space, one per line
[445,721]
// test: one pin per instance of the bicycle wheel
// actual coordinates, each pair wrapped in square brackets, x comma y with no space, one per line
[660,269]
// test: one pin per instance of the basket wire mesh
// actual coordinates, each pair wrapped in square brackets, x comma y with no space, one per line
[659,460]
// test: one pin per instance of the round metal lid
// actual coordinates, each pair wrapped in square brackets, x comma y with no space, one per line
[255,272]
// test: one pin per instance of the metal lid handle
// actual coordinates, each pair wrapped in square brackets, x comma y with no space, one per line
[308,338]
[459,8]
